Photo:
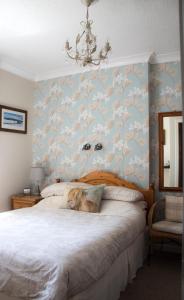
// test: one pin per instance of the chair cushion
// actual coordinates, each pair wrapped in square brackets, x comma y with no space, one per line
[174,208]
[167,226]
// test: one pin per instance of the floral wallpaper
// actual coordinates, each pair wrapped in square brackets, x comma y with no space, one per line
[108,106]
[165,96]
[114,107]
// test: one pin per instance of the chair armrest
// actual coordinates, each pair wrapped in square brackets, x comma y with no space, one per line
[152,211]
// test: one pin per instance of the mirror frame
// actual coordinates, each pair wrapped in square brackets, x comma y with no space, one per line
[161,150]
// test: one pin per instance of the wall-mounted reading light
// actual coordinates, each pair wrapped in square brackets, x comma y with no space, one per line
[98,147]
[86,147]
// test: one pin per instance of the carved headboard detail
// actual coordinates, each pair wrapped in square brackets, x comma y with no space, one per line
[108,178]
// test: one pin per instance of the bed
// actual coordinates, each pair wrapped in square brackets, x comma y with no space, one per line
[67,255]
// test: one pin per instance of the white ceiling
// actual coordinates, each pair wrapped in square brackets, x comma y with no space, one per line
[33,32]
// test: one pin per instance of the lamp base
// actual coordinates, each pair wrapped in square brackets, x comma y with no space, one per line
[35,190]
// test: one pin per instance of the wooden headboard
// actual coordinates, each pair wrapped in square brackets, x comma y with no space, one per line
[108,178]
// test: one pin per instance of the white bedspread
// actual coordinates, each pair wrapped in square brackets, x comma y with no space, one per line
[54,254]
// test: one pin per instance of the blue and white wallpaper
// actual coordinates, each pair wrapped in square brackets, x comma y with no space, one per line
[113,107]
[108,106]
[165,96]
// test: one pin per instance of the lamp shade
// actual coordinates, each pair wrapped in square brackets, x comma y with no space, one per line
[37,174]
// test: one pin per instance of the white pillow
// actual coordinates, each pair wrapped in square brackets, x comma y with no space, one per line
[121,193]
[122,208]
[53,202]
[58,189]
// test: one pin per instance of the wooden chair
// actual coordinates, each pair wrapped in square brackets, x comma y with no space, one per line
[163,225]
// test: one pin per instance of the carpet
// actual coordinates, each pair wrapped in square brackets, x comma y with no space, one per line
[159,281]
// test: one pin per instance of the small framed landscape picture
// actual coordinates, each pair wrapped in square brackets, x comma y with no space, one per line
[13,119]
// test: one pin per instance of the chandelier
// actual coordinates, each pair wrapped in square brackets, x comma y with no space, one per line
[85,51]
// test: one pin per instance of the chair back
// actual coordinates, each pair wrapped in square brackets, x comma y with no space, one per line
[174,208]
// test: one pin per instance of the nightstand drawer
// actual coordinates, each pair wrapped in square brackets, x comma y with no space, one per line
[22,201]
[20,204]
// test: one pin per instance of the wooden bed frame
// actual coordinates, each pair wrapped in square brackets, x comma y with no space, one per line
[108,178]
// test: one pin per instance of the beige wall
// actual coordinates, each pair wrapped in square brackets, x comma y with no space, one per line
[15,149]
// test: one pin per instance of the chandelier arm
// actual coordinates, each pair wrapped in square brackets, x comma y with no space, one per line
[76,44]
[72,57]
[98,59]
[82,34]
[95,64]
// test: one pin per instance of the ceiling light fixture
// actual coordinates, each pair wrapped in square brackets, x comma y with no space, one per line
[85,51]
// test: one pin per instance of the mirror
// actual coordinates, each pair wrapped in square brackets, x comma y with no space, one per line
[170,151]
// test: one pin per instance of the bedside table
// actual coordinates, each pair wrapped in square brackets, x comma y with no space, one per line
[22,201]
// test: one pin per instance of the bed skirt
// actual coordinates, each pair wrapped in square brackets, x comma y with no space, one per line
[122,272]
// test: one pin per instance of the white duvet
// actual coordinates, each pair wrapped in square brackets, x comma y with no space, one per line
[54,254]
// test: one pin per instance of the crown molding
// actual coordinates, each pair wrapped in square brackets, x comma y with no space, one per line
[114,62]
[164,58]
[11,68]
[148,57]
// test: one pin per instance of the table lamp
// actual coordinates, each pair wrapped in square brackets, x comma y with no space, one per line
[37,177]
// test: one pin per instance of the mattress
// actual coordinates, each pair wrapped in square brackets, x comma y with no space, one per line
[50,253]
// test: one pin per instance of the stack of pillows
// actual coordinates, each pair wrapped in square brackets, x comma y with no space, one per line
[85,197]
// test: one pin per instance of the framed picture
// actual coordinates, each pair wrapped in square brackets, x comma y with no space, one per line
[13,119]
